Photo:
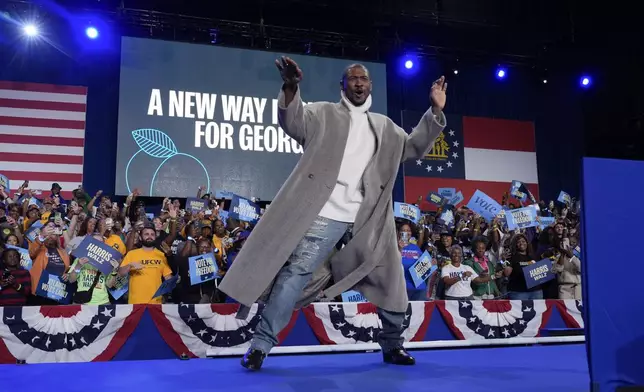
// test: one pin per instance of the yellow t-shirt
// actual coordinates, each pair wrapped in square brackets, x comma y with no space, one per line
[116,242]
[145,282]
[219,244]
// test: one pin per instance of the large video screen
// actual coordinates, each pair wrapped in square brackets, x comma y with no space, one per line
[198,115]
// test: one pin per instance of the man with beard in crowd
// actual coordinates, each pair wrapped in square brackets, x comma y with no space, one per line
[147,267]
[342,185]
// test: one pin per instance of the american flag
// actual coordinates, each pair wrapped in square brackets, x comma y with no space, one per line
[42,135]
[473,153]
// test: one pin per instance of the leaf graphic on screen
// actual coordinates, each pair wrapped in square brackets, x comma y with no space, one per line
[154,143]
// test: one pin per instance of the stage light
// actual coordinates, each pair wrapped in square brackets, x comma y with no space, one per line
[456,72]
[91,32]
[585,81]
[501,73]
[409,64]
[30,30]
[545,81]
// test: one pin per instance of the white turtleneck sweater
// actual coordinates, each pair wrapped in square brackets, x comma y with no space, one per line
[346,198]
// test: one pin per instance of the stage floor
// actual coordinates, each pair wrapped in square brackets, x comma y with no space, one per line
[534,368]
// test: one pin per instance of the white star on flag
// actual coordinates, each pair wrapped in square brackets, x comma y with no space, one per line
[351,333]
[428,168]
[527,309]
[190,319]
[243,335]
[472,319]
[490,332]
[213,338]
[449,164]
[335,308]
[419,162]
[440,169]
[522,322]
[506,333]
[455,144]
[97,325]
[340,325]
[455,155]
[202,332]
[465,304]
[107,312]
[451,133]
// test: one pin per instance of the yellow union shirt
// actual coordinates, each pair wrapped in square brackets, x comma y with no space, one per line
[116,242]
[145,282]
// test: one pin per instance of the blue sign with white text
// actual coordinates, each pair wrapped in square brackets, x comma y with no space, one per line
[195,205]
[545,221]
[406,211]
[34,231]
[25,259]
[353,296]
[243,209]
[167,286]
[435,198]
[521,218]
[422,269]
[202,268]
[564,198]
[484,205]
[457,199]
[52,287]
[447,193]
[100,255]
[121,287]
[538,273]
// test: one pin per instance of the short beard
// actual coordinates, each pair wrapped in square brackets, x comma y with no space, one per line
[147,243]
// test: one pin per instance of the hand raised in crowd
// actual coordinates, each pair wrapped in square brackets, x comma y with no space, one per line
[98,194]
[289,70]
[172,210]
[12,222]
[46,231]
[166,249]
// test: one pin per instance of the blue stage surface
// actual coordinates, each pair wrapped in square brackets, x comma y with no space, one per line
[534,368]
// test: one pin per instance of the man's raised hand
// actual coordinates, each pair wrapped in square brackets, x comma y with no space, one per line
[289,70]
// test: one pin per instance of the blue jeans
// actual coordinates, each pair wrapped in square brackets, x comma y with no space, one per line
[528,295]
[314,248]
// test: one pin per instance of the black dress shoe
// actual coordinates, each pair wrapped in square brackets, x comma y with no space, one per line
[398,356]
[253,359]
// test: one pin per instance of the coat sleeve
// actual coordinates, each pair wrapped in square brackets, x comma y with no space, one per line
[422,138]
[295,119]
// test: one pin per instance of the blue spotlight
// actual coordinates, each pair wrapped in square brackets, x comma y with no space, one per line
[30,30]
[91,32]
[501,73]
[409,64]
[585,81]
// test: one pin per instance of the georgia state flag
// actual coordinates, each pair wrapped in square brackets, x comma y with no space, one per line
[495,319]
[77,333]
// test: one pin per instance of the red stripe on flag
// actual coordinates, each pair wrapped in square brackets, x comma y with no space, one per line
[498,134]
[42,122]
[42,105]
[41,158]
[43,88]
[39,176]
[42,140]
[419,186]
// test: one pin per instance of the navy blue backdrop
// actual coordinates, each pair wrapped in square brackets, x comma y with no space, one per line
[555,107]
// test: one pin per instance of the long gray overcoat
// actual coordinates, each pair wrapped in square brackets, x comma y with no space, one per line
[371,262]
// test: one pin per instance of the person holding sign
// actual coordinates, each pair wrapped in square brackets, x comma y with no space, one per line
[201,293]
[459,277]
[410,254]
[520,256]
[15,282]
[342,184]
[147,267]
[47,255]
[483,266]
[92,285]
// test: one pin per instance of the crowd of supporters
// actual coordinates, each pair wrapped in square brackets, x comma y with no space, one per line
[475,259]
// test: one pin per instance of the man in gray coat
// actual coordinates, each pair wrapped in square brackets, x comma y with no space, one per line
[340,188]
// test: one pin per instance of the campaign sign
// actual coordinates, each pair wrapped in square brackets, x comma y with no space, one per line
[447,218]
[202,268]
[545,221]
[447,193]
[101,256]
[223,195]
[4,182]
[34,231]
[406,211]
[484,205]
[577,252]
[122,285]
[435,198]
[196,205]
[538,273]
[422,269]
[243,209]
[457,199]
[522,218]
[25,259]
[564,198]
[223,215]
[167,286]
[52,287]
[353,296]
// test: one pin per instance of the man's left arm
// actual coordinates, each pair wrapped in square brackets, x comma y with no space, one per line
[422,138]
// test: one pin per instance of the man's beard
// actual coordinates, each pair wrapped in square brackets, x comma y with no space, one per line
[147,243]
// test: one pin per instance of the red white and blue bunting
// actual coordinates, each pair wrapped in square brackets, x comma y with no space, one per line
[495,319]
[78,333]
[571,312]
[350,323]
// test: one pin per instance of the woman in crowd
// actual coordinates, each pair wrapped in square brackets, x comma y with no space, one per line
[202,293]
[459,277]
[521,256]
[483,266]
[410,254]
[15,282]
[47,255]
